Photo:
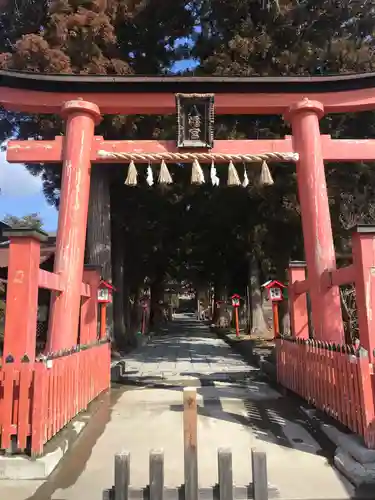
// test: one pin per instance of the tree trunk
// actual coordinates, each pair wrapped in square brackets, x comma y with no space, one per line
[222,317]
[119,327]
[284,318]
[98,238]
[136,312]
[156,297]
[126,304]
[258,323]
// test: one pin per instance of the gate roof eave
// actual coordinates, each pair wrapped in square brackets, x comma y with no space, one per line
[184,84]
[35,92]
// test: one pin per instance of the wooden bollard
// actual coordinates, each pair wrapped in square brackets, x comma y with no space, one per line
[190,443]
[156,475]
[225,472]
[259,468]
[122,475]
[157,491]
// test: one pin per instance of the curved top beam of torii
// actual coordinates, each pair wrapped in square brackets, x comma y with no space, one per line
[37,93]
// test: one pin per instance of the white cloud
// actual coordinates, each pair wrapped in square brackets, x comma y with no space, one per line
[16,181]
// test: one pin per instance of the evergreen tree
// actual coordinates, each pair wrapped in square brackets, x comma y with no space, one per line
[285,38]
[30,221]
[96,37]
[18,18]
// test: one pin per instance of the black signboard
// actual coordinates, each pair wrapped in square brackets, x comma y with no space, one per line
[195,120]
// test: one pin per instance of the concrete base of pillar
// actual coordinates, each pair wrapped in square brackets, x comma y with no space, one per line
[23,467]
[359,474]
[350,443]
[352,458]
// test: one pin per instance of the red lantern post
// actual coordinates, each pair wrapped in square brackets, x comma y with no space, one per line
[275,295]
[144,304]
[105,292]
[236,304]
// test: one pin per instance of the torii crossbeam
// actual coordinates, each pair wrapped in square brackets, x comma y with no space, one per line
[333,150]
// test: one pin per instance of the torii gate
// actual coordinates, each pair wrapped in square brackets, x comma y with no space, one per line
[82,100]
[90,97]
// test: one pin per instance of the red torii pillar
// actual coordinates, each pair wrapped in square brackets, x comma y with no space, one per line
[299,316]
[71,234]
[316,221]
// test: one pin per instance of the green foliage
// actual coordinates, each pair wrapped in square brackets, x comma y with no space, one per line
[201,234]
[313,37]
[286,38]
[91,37]
[30,221]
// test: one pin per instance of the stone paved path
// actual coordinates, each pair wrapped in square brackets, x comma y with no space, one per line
[186,354]
[237,409]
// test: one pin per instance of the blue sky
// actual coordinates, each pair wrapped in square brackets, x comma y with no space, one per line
[21,194]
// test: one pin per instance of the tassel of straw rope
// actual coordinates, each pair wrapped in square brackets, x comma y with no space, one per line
[265,176]
[215,181]
[245,178]
[150,176]
[164,175]
[131,179]
[197,175]
[233,177]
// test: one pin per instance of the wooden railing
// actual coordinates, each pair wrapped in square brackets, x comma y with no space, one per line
[335,379]
[16,386]
[65,385]
[39,396]
[258,487]
[38,399]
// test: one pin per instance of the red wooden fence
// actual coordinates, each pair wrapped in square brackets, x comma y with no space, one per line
[15,403]
[335,379]
[38,399]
